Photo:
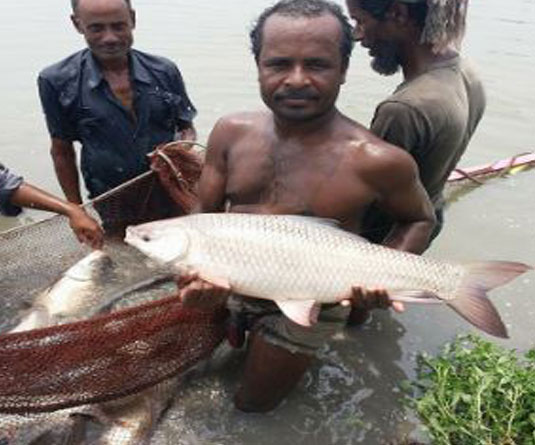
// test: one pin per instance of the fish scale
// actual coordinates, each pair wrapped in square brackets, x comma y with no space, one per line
[289,258]
[279,247]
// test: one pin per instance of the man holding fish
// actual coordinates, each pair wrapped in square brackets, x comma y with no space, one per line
[278,259]
[302,157]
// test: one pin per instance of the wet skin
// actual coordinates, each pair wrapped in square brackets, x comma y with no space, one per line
[304,157]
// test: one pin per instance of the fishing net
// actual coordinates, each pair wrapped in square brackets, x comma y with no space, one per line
[105,357]
[134,334]
[464,180]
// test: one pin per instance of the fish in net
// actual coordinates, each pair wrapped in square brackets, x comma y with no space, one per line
[120,345]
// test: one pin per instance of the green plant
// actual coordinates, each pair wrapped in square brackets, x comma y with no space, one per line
[476,393]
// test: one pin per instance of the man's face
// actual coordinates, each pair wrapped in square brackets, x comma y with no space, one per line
[107,27]
[300,66]
[374,35]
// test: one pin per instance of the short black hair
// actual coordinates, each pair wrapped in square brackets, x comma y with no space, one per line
[74,4]
[304,8]
[378,8]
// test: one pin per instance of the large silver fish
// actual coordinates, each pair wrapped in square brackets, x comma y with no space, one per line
[89,287]
[75,294]
[300,262]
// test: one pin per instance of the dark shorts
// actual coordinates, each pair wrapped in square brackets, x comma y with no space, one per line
[266,319]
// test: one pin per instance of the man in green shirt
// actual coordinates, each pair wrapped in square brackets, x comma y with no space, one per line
[435,110]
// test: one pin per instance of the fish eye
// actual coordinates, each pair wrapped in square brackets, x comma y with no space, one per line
[146,238]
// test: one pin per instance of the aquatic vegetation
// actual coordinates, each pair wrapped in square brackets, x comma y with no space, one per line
[475,392]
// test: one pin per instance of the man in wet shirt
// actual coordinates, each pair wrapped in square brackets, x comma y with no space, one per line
[119,103]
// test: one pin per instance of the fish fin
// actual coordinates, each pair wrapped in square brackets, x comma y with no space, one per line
[215,280]
[471,300]
[36,318]
[414,296]
[491,274]
[303,312]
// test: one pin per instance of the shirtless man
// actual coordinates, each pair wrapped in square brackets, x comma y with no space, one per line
[302,156]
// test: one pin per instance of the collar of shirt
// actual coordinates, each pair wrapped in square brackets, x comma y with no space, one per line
[138,72]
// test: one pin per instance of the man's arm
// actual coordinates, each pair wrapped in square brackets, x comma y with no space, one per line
[212,184]
[84,227]
[62,129]
[393,174]
[401,125]
[64,158]
[213,180]
[402,195]
[186,111]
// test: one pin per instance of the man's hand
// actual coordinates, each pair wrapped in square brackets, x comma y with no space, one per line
[197,293]
[86,229]
[188,134]
[367,299]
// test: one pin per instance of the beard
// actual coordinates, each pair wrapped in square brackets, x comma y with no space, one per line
[386,59]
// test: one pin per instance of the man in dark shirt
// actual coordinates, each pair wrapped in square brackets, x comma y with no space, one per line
[434,112]
[117,102]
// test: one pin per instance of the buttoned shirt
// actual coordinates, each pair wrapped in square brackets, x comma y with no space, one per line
[9,183]
[80,106]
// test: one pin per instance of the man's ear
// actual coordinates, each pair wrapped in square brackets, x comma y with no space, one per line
[398,13]
[133,18]
[76,23]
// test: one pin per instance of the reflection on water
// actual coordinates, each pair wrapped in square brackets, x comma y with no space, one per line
[350,395]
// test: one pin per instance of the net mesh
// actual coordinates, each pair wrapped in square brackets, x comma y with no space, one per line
[98,355]
[105,357]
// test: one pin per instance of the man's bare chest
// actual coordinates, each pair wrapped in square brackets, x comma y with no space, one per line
[121,89]
[321,184]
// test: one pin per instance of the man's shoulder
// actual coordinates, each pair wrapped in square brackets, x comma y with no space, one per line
[244,121]
[154,62]
[439,85]
[236,129]
[67,68]
[374,156]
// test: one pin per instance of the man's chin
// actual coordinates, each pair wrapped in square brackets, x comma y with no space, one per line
[296,115]
[110,56]
[385,67]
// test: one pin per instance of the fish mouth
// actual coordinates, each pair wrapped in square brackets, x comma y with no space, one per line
[133,236]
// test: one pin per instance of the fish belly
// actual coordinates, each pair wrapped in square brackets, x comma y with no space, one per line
[292,258]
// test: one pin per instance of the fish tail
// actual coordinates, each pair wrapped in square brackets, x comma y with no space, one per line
[471,300]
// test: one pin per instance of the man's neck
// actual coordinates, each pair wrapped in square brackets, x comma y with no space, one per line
[419,58]
[300,129]
[115,66]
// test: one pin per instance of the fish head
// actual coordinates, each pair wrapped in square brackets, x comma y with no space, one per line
[161,242]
